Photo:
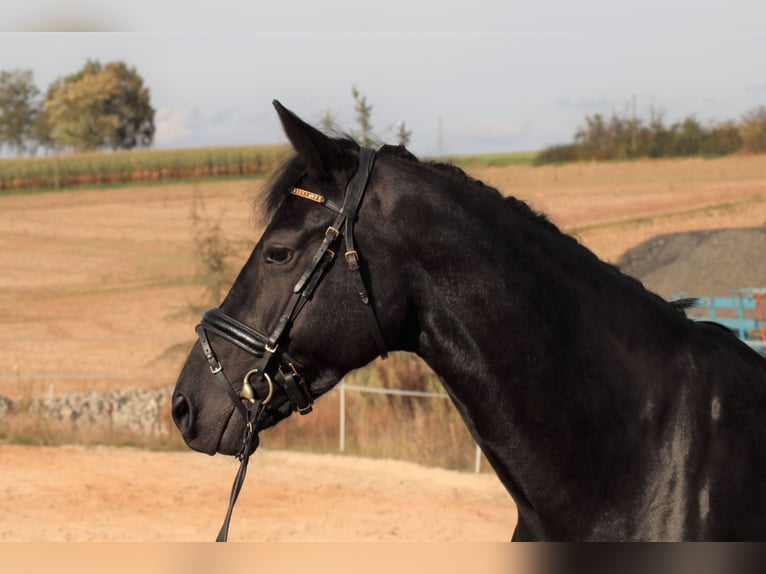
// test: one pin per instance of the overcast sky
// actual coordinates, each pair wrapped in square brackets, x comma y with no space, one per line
[497,75]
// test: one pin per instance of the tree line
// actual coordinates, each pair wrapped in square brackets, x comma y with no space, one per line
[102,106]
[627,136]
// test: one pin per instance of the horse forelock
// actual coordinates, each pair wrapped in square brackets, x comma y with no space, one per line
[285,178]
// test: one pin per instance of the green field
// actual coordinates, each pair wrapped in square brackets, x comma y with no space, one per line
[147,166]
[477,161]
[162,166]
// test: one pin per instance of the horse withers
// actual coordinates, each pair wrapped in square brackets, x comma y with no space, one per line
[605,412]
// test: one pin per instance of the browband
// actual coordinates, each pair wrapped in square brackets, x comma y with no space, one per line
[316,198]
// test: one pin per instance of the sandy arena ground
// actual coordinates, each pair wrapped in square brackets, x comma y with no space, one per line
[122,494]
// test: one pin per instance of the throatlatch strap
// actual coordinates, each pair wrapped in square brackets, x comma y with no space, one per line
[353,260]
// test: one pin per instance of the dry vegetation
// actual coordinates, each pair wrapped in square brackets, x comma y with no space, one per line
[101,288]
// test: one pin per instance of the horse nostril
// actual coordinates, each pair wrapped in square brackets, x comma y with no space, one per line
[181,411]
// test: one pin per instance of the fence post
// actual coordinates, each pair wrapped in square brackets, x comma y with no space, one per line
[342,425]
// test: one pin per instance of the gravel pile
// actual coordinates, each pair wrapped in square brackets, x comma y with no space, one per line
[709,263]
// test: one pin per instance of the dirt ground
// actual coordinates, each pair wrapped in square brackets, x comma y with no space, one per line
[121,494]
[97,290]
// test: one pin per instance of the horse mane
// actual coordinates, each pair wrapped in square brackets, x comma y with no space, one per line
[519,207]
[459,176]
[682,305]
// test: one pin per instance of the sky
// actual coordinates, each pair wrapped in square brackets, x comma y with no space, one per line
[465,77]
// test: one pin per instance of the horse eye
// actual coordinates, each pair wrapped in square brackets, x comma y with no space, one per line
[279,255]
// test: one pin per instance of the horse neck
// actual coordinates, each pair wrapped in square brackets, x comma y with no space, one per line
[533,337]
[493,267]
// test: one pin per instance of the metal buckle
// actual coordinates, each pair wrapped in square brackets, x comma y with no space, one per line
[305,410]
[332,254]
[292,368]
[271,350]
[334,231]
[352,259]
[217,368]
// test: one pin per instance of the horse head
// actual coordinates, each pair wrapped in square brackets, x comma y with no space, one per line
[321,294]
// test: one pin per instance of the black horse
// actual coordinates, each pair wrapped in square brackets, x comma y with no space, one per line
[604,410]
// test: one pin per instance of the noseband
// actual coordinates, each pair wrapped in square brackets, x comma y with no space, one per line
[273,364]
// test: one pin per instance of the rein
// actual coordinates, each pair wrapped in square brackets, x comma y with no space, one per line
[273,364]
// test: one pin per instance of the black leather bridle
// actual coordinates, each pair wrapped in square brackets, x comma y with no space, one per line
[273,364]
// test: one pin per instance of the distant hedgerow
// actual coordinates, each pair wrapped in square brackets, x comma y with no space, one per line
[627,136]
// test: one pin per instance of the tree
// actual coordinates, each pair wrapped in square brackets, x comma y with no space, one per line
[131,104]
[101,106]
[78,111]
[753,130]
[18,107]
[722,139]
[328,122]
[363,112]
[403,135]
[364,135]
[41,134]
[689,136]
[595,135]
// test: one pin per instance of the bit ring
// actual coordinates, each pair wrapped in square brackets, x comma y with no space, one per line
[246,384]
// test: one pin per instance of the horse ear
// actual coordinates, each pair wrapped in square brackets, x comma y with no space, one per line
[319,152]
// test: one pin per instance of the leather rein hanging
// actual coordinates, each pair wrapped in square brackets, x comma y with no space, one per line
[273,364]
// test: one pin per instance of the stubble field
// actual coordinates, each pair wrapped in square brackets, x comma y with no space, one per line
[99,289]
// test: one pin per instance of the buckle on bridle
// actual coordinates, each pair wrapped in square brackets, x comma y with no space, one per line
[295,388]
[352,260]
[292,368]
[271,350]
[334,231]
